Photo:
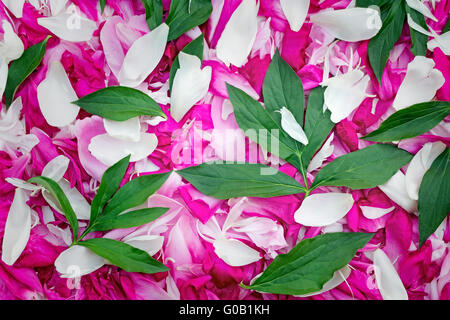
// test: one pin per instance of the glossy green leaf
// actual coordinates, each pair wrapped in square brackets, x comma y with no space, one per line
[102,5]
[135,193]
[381,45]
[153,12]
[185,15]
[434,196]
[446,27]
[410,122]
[195,48]
[21,68]
[368,3]
[120,104]
[56,191]
[111,180]
[225,181]
[128,219]
[124,256]
[363,169]
[310,264]
[419,40]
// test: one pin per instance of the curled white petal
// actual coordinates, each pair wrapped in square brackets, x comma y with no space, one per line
[56,6]
[55,96]
[239,34]
[148,243]
[56,168]
[77,261]
[295,12]
[234,252]
[422,8]
[420,84]
[374,212]
[387,278]
[440,41]
[17,228]
[419,165]
[109,150]
[395,189]
[319,210]
[190,85]
[352,24]
[338,277]
[322,154]
[19,183]
[292,127]
[129,130]
[143,57]
[15,6]
[11,47]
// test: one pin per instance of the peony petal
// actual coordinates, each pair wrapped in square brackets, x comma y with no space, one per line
[17,228]
[442,41]
[56,168]
[422,8]
[15,6]
[77,261]
[189,85]
[109,150]
[143,57]
[19,183]
[374,212]
[234,252]
[3,76]
[239,34]
[326,151]
[387,279]
[420,83]
[353,24]
[295,12]
[338,277]
[129,130]
[69,25]
[395,189]
[292,127]
[419,165]
[56,6]
[319,210]
[55,95]
[11,47]
[148,243]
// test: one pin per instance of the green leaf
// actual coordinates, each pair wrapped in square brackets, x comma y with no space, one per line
[410,122]
[283,88]
[195,48]
[363,169]
[153,12]
[447,27]
[368,3]
[310,264]
[120,104]
[258,124]
[111,180]
[318,125]
[21,68]
[102,5]
[381,45]
[434,196]
[56,191]
[185,15]
[225,181]
[124,256]
[135,193]
[129,219]
[419,40]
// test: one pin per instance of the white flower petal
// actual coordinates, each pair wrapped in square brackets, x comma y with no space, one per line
[19,183]
[55,95]
[417,26]
[387,279]
[234,252]
[292,127]
[11,47]
[295,12]
[353,24]
[345,93]
[154,121]
[3,76]
[374,212]
[78,261]
[56,6]
[239,34]
[148,243]
[17,228]
[69,26]
[190,85]
[338,277]
[442,41]
[395,189]
[109,150]
[129,130]
[326,151]
[143,57]
[15,6]
[319,210]
[56,168]
[419,165]
[420,83]
[422,8]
